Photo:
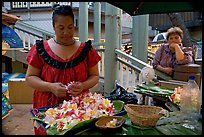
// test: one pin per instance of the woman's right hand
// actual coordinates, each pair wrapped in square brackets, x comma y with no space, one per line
[58,89]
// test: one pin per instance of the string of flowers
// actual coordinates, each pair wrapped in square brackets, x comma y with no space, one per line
[84,107]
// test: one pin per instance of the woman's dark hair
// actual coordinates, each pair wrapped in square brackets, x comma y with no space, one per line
[65,10]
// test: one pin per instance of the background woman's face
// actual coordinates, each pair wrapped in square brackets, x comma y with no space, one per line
[174,38]
[64,28]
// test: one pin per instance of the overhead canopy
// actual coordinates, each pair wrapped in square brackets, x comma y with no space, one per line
[140,8]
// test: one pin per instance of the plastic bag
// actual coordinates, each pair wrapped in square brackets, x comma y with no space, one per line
[119,93]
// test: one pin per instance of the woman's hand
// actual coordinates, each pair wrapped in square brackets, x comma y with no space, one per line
[76,88]
[168,70]
[173,46]
[58,89]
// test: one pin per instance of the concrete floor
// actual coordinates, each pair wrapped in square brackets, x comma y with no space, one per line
[18,122]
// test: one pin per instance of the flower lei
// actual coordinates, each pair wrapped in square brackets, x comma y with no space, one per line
[80,108]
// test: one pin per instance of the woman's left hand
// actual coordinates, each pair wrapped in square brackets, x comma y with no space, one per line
[168,70]
[76,88]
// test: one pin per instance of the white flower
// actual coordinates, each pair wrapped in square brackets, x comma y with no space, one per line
[50,121]
[83,107]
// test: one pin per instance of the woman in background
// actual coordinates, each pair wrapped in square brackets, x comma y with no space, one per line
[173,53]
[170,54]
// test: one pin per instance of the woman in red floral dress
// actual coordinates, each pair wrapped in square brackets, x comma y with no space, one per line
[54,63]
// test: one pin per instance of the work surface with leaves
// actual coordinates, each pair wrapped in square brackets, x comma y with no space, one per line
[175,124]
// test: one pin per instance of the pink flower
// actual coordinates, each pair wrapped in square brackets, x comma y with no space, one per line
[83,107]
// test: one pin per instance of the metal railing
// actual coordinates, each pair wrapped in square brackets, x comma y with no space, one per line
[41,5]
[162,21]
[34,5]
[28,36]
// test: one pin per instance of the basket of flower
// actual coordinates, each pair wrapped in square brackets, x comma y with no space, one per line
[144,115]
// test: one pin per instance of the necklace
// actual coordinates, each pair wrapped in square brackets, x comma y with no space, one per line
[64,44]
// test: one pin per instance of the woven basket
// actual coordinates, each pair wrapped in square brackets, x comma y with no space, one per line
[143,115]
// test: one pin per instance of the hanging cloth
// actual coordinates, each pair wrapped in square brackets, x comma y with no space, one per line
[11,37]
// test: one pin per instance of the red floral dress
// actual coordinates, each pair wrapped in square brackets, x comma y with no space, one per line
[56,69]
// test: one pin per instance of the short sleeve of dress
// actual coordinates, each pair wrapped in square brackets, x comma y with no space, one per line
[34,59]
[93,57]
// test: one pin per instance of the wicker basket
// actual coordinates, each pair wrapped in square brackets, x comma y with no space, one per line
[143,115]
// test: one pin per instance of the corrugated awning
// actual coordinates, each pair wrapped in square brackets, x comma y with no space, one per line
[142,7]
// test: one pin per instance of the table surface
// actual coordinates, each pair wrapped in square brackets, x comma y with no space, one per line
[174,124]
[168,126]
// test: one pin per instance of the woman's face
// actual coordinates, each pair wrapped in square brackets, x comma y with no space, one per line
[174,38]
[64,29]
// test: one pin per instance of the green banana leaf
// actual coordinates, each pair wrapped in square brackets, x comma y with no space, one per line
[171,125]
[126,129]
[152,86]
[179,124]
[129,123]
[175,129]
[142,86]
[38,119]
[118,105]
[84,125]
[153,93]
[153,89]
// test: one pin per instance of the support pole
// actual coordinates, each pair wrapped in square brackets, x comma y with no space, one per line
[112,33]
[140,37]
[83,21]
[97,22]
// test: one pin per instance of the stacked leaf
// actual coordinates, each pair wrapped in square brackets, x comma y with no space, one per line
[151,88]
[179,124]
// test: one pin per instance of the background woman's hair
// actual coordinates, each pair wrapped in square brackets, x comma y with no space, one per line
[174,30]
[65,10]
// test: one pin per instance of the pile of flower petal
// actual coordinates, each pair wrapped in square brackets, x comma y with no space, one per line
[111,123]
[84,107]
